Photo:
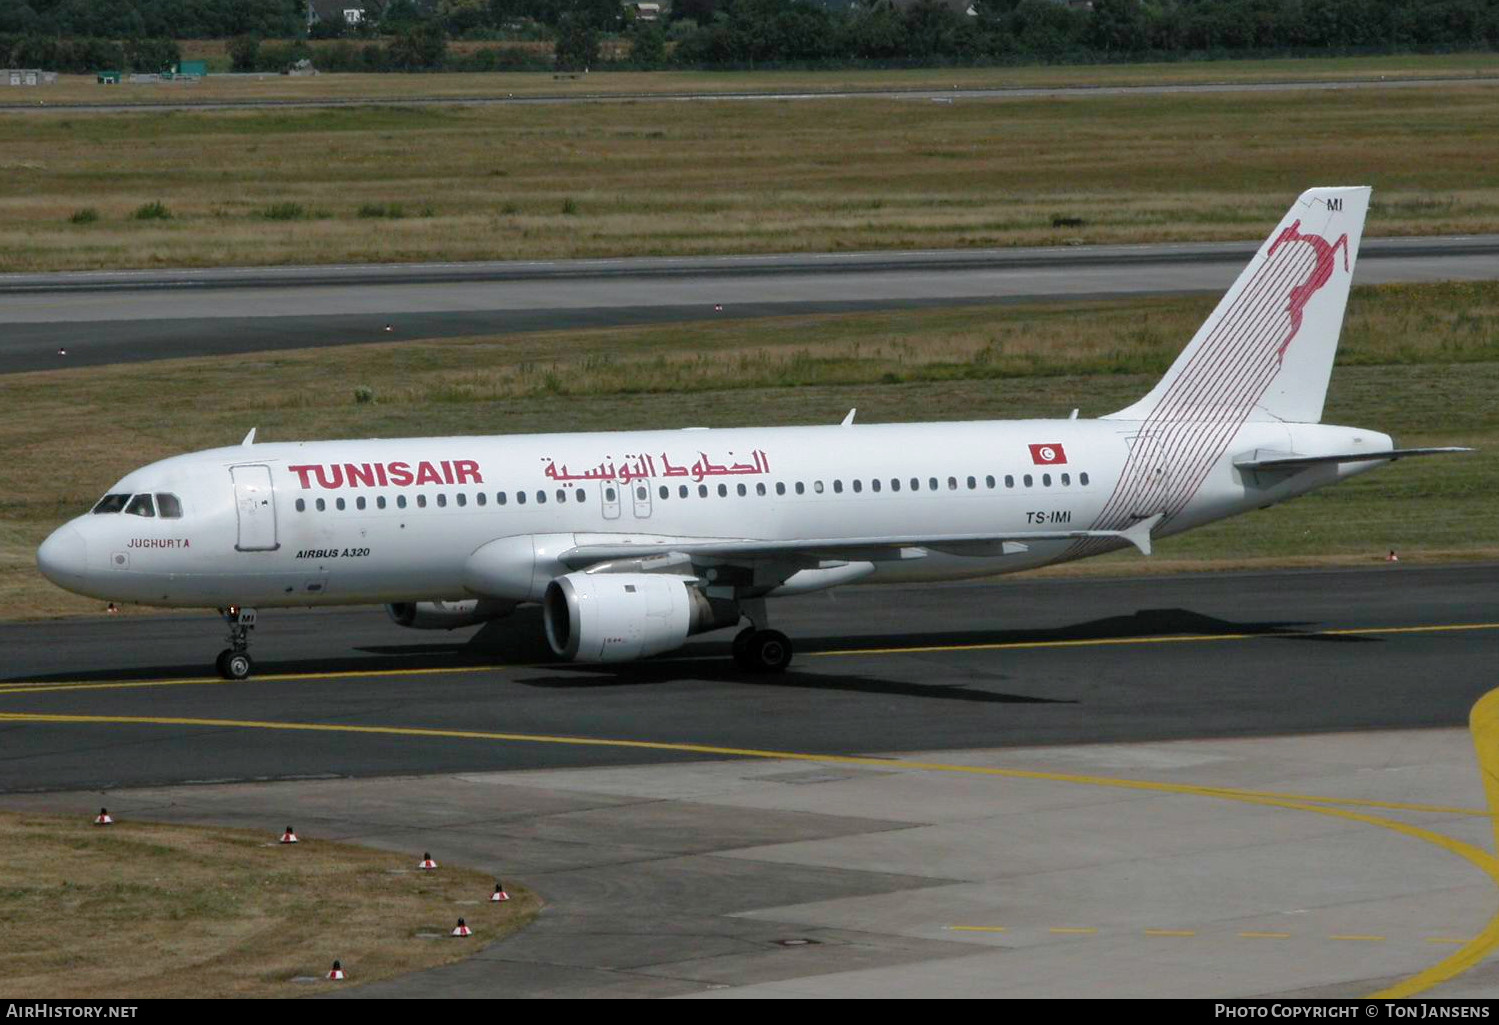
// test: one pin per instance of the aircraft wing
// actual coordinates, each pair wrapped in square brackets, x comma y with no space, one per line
[860,548]
[1291,461]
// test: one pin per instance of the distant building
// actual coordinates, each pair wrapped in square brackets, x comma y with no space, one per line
[27,76]
[644,12]
[348,12]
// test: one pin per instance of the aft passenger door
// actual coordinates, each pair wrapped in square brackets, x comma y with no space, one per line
[255,504]
[1150,483]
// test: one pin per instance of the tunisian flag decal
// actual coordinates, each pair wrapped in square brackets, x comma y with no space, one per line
[1046,455]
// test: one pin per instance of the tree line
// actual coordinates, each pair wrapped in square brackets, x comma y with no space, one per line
[408,35]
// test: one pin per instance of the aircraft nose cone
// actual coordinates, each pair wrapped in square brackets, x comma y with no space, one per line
[63,557]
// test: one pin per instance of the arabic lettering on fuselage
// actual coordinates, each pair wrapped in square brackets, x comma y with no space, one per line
[643,467]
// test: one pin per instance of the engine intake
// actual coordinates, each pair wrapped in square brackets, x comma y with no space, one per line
[616,617]
[447,615]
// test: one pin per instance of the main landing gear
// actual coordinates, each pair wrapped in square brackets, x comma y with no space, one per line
[758,648]
[234,662]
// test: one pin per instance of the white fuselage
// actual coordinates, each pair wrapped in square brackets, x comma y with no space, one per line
[345,522]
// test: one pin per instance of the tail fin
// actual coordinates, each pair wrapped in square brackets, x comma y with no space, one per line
[1266,352]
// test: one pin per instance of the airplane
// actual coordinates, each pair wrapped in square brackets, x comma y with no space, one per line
[631,542]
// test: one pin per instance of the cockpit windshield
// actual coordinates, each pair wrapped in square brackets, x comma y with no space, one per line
[168,505]
[111,504]
[141,505]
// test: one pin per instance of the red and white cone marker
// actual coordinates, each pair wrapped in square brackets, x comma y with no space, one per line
[337,971]
[103,819]
[499,894]
[427,863]
[718,307]
[462,929]
[1392,557]
[290,836]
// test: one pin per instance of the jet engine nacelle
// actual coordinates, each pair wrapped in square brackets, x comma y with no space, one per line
[616,617]
[447,615]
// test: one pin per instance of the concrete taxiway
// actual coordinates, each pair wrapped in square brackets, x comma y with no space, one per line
[1228,785]
[110,317]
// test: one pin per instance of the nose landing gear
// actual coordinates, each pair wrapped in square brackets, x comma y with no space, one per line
[234,662]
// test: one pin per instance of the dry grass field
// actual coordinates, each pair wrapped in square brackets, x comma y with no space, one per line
[140,910]
[391,183]
[1420,362]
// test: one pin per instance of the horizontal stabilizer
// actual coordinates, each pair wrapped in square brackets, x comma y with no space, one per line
[1293,462]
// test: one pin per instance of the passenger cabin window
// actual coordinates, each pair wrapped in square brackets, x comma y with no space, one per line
[894,483]
[1046,479]
[723,491]
[682,491]
[462,498]
[301,505]
[664,491]
[340,503]
[760,489]
[111,504]
[169,506]
[874,485]
[442,502]
[581,495]
[400,502]
[1027,480]
[481,498]
[780,487]
[1009,480]
[837,487]
[141,505]
[1082,479]
[801,489]
[741,490]
[321,505]
[380,501]
[421,501]
[359,502]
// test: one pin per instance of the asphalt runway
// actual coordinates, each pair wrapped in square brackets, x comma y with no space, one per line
[987,665]
[65,320]
[39,103]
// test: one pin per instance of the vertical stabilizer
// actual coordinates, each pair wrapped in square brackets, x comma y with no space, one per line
[1266,353]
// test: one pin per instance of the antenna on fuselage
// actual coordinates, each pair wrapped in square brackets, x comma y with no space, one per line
[848,421]
[250,438]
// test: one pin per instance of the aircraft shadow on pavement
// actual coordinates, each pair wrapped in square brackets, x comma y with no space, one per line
[519,640]
[1140,624]
[578,676]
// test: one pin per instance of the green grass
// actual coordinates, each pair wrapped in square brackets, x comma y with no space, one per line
[146,910]
[661,178]
[1418,361]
